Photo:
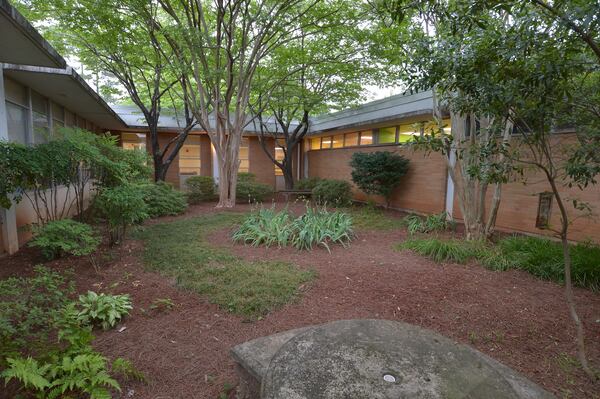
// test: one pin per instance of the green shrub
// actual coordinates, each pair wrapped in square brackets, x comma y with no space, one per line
[249,190]
[333,192]
[378,172]
[103,310]
[121,207]
[315,227]
[28,306]
[449,251]
[308,183]
[163,200]
[200,189]
[64,237]
[432,223]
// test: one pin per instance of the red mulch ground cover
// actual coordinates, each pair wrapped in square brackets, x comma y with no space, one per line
[511,316]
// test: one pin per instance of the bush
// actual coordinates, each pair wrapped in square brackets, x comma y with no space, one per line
[378,172]
[249,190]
[163,200]
[307,184]
[121,206]
[315,227]
[429,224]
[333,192]
[103,310]
[66,236]
[200,189]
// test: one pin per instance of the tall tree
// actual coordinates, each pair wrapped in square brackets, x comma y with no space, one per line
[309,76]
[219,45]
[119,37]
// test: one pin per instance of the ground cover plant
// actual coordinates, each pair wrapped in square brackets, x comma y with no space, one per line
[428,224]
[179,249]
[64,237]
[370,217]
[539,256]
[46,347]
[316,227]
[102,310]
[162,199]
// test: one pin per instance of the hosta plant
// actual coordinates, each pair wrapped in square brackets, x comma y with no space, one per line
[102,309]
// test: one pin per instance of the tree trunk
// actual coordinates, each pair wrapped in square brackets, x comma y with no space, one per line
[288,175]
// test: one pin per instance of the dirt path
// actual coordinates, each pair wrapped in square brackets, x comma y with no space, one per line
[511,316]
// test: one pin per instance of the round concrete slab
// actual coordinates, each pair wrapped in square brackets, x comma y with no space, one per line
[380,359]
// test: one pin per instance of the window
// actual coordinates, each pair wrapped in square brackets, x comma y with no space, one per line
[134,141]
[338,141]
[366,137]
[80,122]
[39,105]
[408,131]
[17,110]
[351,139]
[58,116]
[69,118]
[244,156]
[279,155]
[189,156]
[387,135]
[315,144]
[544,210]
[326,142]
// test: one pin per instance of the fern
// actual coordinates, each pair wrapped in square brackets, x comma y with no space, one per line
[126,368]
[28,372]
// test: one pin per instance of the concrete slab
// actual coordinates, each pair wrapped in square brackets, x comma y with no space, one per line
[372,359]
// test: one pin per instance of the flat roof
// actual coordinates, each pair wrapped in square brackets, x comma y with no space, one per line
[67,88]
[22,44]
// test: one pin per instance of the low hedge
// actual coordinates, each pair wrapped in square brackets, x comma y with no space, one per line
[200,189]
[249,190]
[333,192]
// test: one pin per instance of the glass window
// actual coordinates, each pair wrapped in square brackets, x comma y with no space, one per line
[244,156]
[58,116]
[40,118]
[338,141]
[326,142]
[189,156]
[315,144]
[15,93]
[80,122]
[387,135]
[351,139]
[17,120]
[279,155]
[408,131]
[69,118]
[134,141]
[366,137]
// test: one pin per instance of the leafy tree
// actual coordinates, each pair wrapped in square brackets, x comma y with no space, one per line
[378,172]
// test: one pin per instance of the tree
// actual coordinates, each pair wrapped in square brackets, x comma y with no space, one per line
[218,46]
[378,172]
[120,37]
[309,76]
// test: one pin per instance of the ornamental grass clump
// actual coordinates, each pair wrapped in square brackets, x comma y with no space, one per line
[317,227]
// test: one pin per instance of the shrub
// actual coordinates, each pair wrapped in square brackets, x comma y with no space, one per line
[121,206]
[66,236]
[103,310]
[249,190]
[308,183]
[333,192]
[200,188]
[450,251]
[429,224]
[162,199]
[315,227]
[378,172]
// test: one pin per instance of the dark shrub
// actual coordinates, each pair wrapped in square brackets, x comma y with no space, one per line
[249,190]
[162,200]
[64,237]
[121,207]
[308,183]
[200,188]
[333,192]
[378,172]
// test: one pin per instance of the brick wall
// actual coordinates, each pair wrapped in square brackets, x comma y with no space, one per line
[423,188]
[260,164]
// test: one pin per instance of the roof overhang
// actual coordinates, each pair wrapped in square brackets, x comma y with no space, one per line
[21,43]
[67,88]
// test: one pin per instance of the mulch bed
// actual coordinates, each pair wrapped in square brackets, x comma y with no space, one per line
[511,316]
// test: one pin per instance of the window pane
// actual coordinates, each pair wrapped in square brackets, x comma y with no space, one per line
[338,141]
[408,131]
[326,142]
[17,123]
[133,141]
[69,118]
[189,156]
[39,103]
[58,112]
[351,139]
[15,93]
[279,155]
[315,144]
[244,156]
[80,122]
[366,137]
[387,135]
[41,132]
